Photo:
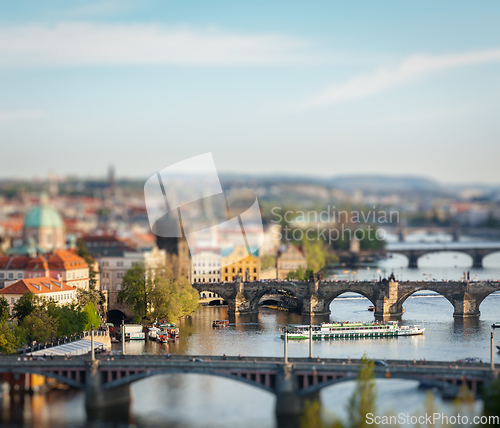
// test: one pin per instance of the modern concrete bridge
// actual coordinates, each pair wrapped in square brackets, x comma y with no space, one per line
[413,251]
[106,381]
[388,297]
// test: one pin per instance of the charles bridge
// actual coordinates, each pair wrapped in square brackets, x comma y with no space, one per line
[388,296]
[106,381]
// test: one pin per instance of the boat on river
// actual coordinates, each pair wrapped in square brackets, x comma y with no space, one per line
[168,332]
[220,323]
[153,333]
[495,324]
[353,330]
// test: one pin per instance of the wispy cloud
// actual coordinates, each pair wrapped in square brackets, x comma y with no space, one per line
[406,72]
[76,44]
[16,115]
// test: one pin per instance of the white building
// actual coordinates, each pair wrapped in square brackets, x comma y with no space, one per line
[45,287]
[205,266]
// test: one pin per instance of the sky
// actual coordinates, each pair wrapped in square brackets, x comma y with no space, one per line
[317,88]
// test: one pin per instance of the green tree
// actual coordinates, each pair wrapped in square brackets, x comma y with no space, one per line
[491,398]
[298,274]
[39,326]
[137,291]
[8,340]
[173,298]
[92,317]
[4,309]
[267,261]
[71,319]
[26,305]
[315,254]
[84,297]
[160,293]
[364,397]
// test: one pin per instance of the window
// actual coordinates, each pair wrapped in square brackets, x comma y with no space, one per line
[2,275]
[254,270]
[12,300]
[11,275]
[119,264]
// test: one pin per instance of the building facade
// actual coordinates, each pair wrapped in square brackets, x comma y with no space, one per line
[44,287]
[289,259]
[62,265]
[240,264]
[205,267]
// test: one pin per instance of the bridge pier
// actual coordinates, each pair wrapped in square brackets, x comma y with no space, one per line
[289,404]
[466,307]
[388,305]
[413,261]
[477,260]
[96,397]
[315,305]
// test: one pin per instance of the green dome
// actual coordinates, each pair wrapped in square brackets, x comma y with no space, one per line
[43,216]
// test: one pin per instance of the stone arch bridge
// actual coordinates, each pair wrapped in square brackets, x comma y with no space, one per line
[107,382]
[387,296]
[413,251]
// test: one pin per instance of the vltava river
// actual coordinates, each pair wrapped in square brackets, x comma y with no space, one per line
[204,401]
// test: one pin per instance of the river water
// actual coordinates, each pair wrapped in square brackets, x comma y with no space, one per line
[204,401]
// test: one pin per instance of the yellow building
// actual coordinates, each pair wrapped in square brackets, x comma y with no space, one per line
[240,263]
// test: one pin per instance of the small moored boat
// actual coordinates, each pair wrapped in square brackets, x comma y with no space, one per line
[371,308]
[220,323]
[153,333]
[495,324]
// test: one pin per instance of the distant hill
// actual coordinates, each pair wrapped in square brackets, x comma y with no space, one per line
[379,183]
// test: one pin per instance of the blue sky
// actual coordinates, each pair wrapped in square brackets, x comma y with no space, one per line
[311,88]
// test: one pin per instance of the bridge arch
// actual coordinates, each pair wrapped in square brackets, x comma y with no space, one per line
[116,316]
[260,382]
[465,254]
[59,377]
[332,297]
[480,299]
[402,299]
[488,258]
[273,289]
[384,374]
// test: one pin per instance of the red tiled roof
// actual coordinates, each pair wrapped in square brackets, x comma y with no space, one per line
[37,263]
[37,286]
[63,259]
[14,262]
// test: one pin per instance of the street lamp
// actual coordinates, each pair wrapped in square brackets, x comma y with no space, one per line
[285,332]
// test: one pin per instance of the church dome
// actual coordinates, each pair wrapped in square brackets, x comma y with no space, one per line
[43,216]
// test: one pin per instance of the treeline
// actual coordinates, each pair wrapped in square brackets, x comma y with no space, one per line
[35,319]
[158,294]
